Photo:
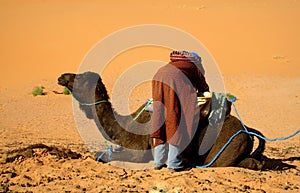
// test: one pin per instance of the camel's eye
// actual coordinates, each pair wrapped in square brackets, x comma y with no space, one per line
[78,77]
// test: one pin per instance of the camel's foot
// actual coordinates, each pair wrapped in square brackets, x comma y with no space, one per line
[251,163]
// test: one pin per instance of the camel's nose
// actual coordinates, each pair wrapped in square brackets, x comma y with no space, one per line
[62,81]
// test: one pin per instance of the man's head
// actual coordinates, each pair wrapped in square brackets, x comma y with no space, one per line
[187,56]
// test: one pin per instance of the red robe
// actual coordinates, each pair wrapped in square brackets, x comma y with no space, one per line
[175,113]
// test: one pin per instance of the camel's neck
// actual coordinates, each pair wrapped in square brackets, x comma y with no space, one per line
[119,129]
[105,116]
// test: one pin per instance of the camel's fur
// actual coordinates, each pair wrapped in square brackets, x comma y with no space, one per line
[88,88]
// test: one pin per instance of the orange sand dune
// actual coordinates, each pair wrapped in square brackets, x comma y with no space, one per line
[41,39]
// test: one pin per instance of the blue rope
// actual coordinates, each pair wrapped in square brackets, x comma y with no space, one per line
[243,131]
[86,104]
[149,102]
[262,137]
[108,151]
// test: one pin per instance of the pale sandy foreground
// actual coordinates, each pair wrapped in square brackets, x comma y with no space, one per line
[48,119]
[256,44]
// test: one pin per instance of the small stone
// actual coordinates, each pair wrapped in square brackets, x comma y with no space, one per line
[13,174]
[154,188]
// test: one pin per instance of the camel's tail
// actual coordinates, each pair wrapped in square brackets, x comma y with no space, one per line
[257,154]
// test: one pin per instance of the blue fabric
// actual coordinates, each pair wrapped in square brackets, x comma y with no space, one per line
[164,152]
[160,154]
[174,157]
[196,56]
[218,109]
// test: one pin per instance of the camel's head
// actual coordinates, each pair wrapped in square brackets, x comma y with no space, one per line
[86,88]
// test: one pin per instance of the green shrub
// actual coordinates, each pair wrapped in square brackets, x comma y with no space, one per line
[38,90]
[66,91]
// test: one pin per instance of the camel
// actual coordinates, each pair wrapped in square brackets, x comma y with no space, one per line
[90,92]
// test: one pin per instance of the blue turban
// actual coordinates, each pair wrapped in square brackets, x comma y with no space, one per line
[196,56]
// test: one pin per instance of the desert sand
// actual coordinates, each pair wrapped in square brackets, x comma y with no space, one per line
[255,44]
